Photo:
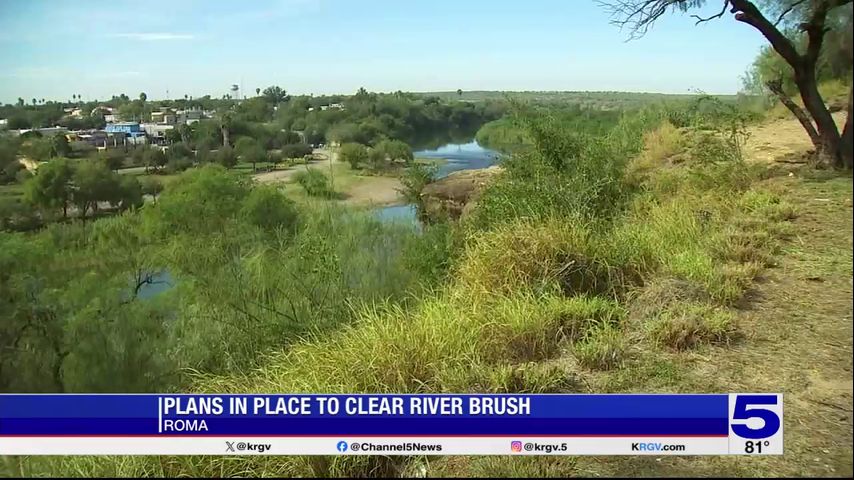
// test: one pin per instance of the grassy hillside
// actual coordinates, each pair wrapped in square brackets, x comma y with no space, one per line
[683,267]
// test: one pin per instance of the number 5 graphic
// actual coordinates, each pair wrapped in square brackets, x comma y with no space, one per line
[745,409]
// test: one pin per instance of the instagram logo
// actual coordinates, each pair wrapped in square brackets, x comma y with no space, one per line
[516,446]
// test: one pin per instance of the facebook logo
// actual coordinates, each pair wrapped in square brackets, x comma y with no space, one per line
[342,446]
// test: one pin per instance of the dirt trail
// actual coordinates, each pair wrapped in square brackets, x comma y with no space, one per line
[782,140]
[280,176]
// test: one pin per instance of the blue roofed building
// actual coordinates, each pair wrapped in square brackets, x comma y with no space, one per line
[133,129]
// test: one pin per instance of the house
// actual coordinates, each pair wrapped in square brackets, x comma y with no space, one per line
[73,112]
[130,128]
[156,131]
[131,132]
[109,113]
[166,116]
[189,116]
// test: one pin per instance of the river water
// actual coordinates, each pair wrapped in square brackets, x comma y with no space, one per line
[457,156]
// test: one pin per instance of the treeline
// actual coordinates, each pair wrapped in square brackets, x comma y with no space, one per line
[79,188]
[368,118]
[365,117]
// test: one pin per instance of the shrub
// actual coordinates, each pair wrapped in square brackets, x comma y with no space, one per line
[353,153]
[226,157]
[393,151]
[178,164]
[315,183]
[151,186]
[296,150]
[414,179]
[268,208]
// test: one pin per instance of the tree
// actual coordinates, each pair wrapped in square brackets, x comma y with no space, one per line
[807,18]
[395,150]
[353,153]
[93,183]
[59,146]
[459,92]
[186,132]
[296,150]
[276,95]
[9,164]
[129,193]
[258,91]
[153,158]
[20,102]
[250,151]
[172,135]
[226,121]
[203,151]
[51,186]
[180,150]
[19,122]
[226,157]
[143,97]
[112,160]
[151,186]
[268,208]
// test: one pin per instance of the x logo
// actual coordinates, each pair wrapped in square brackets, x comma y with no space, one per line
[229,446]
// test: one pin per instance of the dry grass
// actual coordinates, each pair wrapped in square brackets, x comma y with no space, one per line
[663,147]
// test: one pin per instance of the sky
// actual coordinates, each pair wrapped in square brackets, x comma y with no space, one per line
[168,49]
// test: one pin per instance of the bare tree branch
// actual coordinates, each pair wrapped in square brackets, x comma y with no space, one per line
[713,17]
[788,10]
[640,15]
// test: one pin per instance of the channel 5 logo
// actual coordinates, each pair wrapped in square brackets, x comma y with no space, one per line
[516,446]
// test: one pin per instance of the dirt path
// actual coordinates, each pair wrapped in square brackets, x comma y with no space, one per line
[782,140]
[281,176]
[799,327]
[375,191]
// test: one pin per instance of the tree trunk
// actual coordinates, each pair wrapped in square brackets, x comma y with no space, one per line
[797,111]
[828,146]
[846,144]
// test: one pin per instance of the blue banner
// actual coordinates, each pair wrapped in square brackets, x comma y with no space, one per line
[364,415]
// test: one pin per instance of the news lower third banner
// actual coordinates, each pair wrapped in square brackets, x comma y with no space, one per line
[747,424]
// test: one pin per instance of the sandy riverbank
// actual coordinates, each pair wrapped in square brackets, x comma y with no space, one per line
[355,189]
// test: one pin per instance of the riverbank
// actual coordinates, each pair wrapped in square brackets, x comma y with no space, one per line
[357,188]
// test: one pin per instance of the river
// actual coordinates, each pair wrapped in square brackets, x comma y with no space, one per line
[457,156]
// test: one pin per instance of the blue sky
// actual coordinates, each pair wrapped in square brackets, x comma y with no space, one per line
[52,49]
